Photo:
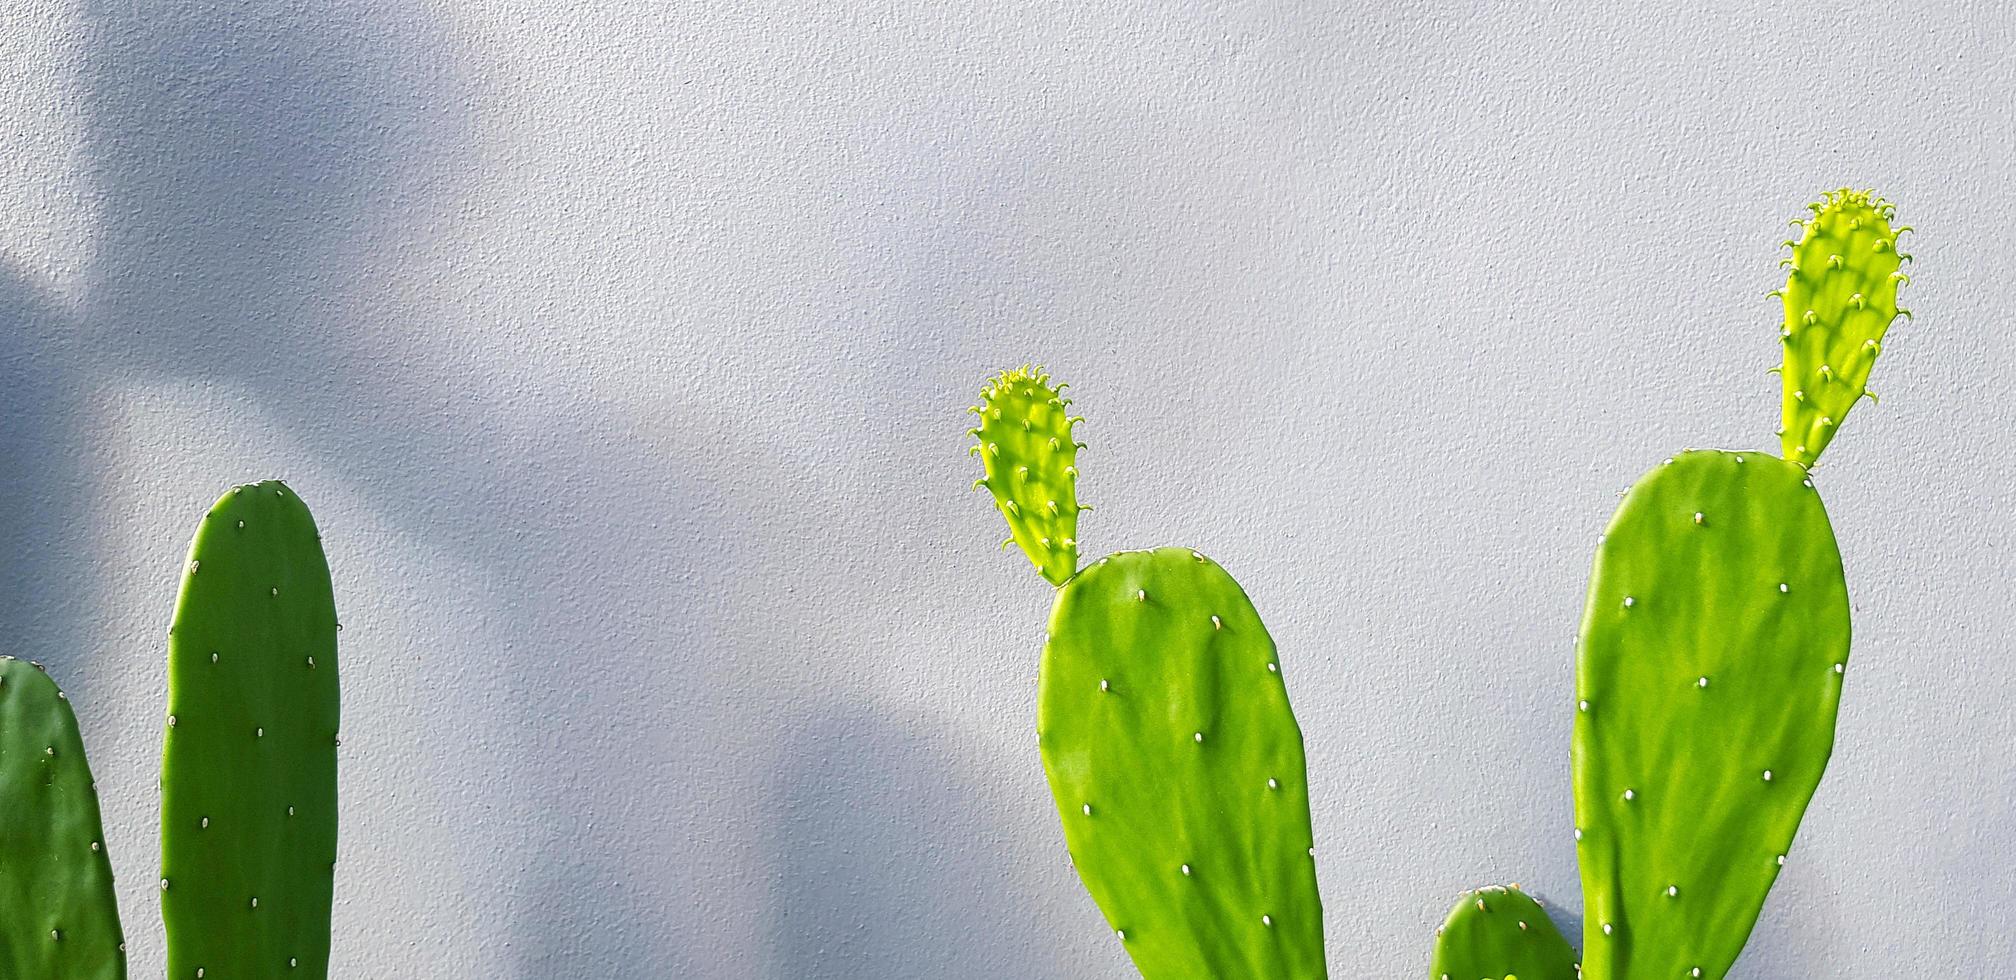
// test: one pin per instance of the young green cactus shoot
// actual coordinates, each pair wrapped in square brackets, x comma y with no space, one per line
[1495,933]
[1840,299]
[1164,725]
[1031,459]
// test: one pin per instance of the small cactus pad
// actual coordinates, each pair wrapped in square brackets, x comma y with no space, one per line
[1026,444]
[248,774]
[58,917]
[1178,770]
[1712,653]
[1498,933]
[1840,298]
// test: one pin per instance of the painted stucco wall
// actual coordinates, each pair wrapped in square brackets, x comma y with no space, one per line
[622,350]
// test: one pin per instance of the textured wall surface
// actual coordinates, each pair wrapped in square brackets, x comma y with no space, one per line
[622,349]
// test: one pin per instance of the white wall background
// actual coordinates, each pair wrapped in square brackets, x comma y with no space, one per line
[622,349]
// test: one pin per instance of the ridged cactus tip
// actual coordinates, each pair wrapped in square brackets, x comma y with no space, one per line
[248,771]
[1500,934]
[1840,298]
[58,917]
[1031,457]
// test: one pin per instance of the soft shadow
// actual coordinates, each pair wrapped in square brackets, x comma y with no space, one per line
[888,865]
[44,500]
[258,165]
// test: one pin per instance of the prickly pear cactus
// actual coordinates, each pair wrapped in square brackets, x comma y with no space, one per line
[1178,769]
[1712,655]
[58,917]
[1499,934]
[1165,730]
[1840,299]
[248,773]
[1025,441]
[1714,645]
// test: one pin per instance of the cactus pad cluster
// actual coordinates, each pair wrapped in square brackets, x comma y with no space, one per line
[1714,642]
[1175,761]
[248,774]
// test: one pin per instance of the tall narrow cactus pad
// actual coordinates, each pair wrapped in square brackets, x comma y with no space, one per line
[1496,933]
[58,918]
[1031,459]
[1712,651]
[1178,770]
[1840,298]
[248,775]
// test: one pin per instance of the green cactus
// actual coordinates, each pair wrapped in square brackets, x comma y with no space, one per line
[1031,461]
[1714,644]
[1177,767]
[1165,729]
[1840,298]
[248,771]
[58,917]
[1500,934]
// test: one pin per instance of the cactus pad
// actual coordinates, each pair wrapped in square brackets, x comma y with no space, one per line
[58,917]
[1178,770]
[1031,460]
[1499,933]
[248,773]
[1840,299]
[1711,661]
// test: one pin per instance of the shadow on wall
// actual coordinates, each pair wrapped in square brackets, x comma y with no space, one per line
[44,502]
[888,866]
[256,163]
[261,168]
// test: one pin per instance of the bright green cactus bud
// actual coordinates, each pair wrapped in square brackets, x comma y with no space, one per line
[1500,932]
[248,773]
[1840,299]
[1712,654]
[58,917]
[1178,770]
[1031,460]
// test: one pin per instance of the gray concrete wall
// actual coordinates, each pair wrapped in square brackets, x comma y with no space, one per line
[622,350]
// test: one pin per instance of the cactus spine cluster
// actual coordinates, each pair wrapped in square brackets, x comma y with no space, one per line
[1714,644]
[1164,724]
[248,773]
